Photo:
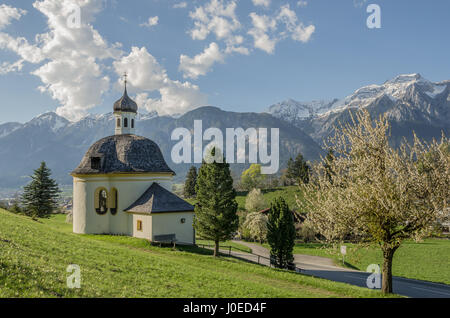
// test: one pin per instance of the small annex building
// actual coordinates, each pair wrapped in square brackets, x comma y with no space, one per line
[123,186]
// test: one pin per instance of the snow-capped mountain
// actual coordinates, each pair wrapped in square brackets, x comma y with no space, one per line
[410,101]
[61,143]
[292,110]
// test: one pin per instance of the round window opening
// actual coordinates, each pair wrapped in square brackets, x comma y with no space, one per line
[183,220]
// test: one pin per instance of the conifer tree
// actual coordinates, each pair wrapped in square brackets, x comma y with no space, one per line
[189,185]
[297,170]
[281,233]
[301,171]
[40,197]
[215,211]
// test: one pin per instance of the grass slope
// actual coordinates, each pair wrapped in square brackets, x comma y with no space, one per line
[288,194]
[34,257]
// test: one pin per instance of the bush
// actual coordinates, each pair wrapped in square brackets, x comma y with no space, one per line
[306,233]
[255,201]
[256,225]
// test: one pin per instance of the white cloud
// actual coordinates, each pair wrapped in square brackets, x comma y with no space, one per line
[217,17]
[73,73]
[152,21]
[146,75]
[21,47]
[264,3]
[266,29]
[77,83]
[201,63]
[180,5]
[7,67]
[298,31]
[8,13]
[302,3]
[263,24]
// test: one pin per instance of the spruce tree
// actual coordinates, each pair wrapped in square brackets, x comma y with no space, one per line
[297,170]
[301,169]
[40,197]
[281,233]
[189,185]
[215,211]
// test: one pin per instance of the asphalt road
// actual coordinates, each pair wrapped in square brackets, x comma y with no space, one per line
[324,268]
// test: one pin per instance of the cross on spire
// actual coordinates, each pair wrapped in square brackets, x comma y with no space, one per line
[125,76]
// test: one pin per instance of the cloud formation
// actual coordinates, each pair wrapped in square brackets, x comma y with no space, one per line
[202,63]
[147,75]
[8,13]
[152,21]
[180,5]
[218,18]
[73,62]
[268,30]
[264,3]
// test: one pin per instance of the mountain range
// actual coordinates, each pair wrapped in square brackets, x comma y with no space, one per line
[410,101]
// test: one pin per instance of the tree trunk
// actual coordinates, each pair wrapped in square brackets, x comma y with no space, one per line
[388,255]
[216,248]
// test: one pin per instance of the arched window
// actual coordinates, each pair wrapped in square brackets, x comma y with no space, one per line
[132,123]
[125,122]
[118,122]
[113,205]
[101,201]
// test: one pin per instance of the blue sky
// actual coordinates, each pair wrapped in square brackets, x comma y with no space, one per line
[259,52]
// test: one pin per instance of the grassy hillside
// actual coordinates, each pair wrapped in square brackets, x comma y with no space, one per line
[34,257]
[288,193]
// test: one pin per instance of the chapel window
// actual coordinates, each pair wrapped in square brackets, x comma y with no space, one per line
[139,225]
[101,204]
[118,122]
[132,123]
[125,122]
[95,163]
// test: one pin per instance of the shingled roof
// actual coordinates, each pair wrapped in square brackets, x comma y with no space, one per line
[159,200]
[123,154]
[125,104]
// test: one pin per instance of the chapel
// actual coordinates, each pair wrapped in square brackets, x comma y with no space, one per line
[123,186]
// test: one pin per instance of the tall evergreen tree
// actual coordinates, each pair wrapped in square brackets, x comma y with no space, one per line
[189,185]
[281,233]
[301,169]
[40,197]
[215,211]
[297,170]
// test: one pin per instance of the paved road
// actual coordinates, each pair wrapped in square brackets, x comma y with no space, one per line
[324,268]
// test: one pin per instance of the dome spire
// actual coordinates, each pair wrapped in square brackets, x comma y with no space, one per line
[125,111]
[125,76]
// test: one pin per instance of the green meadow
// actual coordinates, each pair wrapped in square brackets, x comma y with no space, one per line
[34,256]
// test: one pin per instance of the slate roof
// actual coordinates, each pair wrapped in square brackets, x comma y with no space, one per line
[125,104]
[159,200]
[123,154]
